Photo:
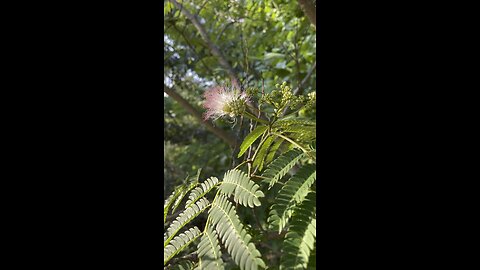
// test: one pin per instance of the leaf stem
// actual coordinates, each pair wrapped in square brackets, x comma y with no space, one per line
[253,117]
[291,141]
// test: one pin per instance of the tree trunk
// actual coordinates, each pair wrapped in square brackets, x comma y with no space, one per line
[310,10]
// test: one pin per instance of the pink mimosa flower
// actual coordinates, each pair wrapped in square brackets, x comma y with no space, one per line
[221,101]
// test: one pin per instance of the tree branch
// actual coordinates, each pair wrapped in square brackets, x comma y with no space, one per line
[187,106]
[304,81]
[310,10]
[213,48]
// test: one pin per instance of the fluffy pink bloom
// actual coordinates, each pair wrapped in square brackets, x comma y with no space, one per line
[221,101]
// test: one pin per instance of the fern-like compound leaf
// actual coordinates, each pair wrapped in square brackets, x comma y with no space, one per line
[185,217]
[300,239]
[169,201]
[246,192]
[235,238]
[251,138]
[281,165]
[179,243]
[201,191]
[291,194]
[209,253]
[181,265]
[183,192]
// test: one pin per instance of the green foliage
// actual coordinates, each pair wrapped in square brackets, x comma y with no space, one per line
[273,150]
[300,239]
[280,166]
[185,217]
[182,192]
[267,42]
[209,253]
[262,152]
[169,201]
[251,138]
[182,265]
[233,235]
[179,243]
[291,210]
[246,191]
[201,191]
[292,193]
[223,223]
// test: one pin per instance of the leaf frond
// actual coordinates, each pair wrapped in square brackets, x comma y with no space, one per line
[184,218]
[292,193]
[281,165]
[209,253]
[300,239]
[179,243]
[235,238]
[201,191]
[245,191]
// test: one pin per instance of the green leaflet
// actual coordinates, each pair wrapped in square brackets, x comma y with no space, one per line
[297,121]
[185,217]
[182,265]
[273,150]
[292,193]
[300,239]
[209,253]
[230,230]
[179,243]
[246,192]
[185,189]
[201,191]
[251,138]
[281,165]
[169,201]
[303,131]
[312,260]
[262,152]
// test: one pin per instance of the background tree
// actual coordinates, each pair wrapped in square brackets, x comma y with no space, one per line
[209,42]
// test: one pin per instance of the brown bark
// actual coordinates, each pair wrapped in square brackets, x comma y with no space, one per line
[187,106]
[309,9]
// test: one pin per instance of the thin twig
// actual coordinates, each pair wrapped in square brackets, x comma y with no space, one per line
[187,106]
[213,48]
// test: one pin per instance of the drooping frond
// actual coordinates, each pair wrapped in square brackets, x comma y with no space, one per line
[200,191]
[251,138]
[209,253]
[182,194]
[291,194]
[179,243]
[246,192]
[235,238]
[300,238]
[281,165]
[185,217]
[169,201]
